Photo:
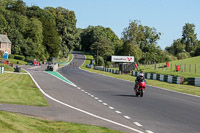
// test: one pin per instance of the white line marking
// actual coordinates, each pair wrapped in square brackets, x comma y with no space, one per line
[83,111]
[127,117]
[82,90]
[86,92]
[100,101]
[137,124]
[66,79]
[78,88]
[92,95]
[118,112]
[105,104]
[96,98]
[148,131]
[111,107]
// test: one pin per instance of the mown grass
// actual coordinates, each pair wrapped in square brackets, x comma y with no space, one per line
[66,61]
[15,123]
[14,61]
[194,90]
[20,89]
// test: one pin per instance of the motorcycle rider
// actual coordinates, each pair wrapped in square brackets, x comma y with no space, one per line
[139,78]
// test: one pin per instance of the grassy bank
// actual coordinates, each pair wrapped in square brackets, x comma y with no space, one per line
[66,61]
[190,67]
[20,89]
[15,123]
[194,90]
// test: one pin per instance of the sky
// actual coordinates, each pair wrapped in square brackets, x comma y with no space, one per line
[167,16]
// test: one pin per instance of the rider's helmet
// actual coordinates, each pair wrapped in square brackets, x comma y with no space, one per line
[141,75]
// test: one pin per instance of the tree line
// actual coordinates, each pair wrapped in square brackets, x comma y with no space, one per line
[51,32]
[39,33]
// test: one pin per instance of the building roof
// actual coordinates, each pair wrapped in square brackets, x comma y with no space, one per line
[4,38]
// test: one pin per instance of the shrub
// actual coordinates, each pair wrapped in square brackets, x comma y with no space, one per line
[11,56]
[19,57]
[1,53]
[31,59]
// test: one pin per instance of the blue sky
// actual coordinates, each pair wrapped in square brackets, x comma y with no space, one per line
[167,16]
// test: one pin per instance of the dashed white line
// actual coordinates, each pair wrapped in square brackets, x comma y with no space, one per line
[127,117]
[86,92]
[100,101]
[148,131]
[111,107]
[83,111]
[92,95]
[137,124]
[78,88]
[96,98]
[82,90]
[118,112]
[105,104]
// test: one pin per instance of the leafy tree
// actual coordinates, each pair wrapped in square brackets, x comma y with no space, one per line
[189,38]
[132,50]
[3,24]
[102,48]
[94,34]
[139,40]
[66,27]
[51,38]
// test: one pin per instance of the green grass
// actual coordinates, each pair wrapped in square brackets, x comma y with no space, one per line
[188,68]
[64,62]
[15,123]
[194,90]
[20,89]
[14,61]
[11,69]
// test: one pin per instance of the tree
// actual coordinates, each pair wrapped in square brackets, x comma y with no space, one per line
[129,49]
[3,24]
[51,40]
[66,27]
[102,48]
[139,40]
[189,38]
[94,34]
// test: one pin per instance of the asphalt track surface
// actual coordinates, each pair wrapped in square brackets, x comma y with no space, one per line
[159,111]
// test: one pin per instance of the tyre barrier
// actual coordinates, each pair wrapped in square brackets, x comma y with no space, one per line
[1,69]
[106,69]
[194,81]
[164,78]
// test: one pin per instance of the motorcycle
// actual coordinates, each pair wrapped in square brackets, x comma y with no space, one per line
[140,88]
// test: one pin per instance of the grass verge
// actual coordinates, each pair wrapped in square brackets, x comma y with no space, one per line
[194,90]
[15,123]
[66,62]
[20,89]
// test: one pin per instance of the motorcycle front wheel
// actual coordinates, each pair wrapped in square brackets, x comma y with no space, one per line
[141,93]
